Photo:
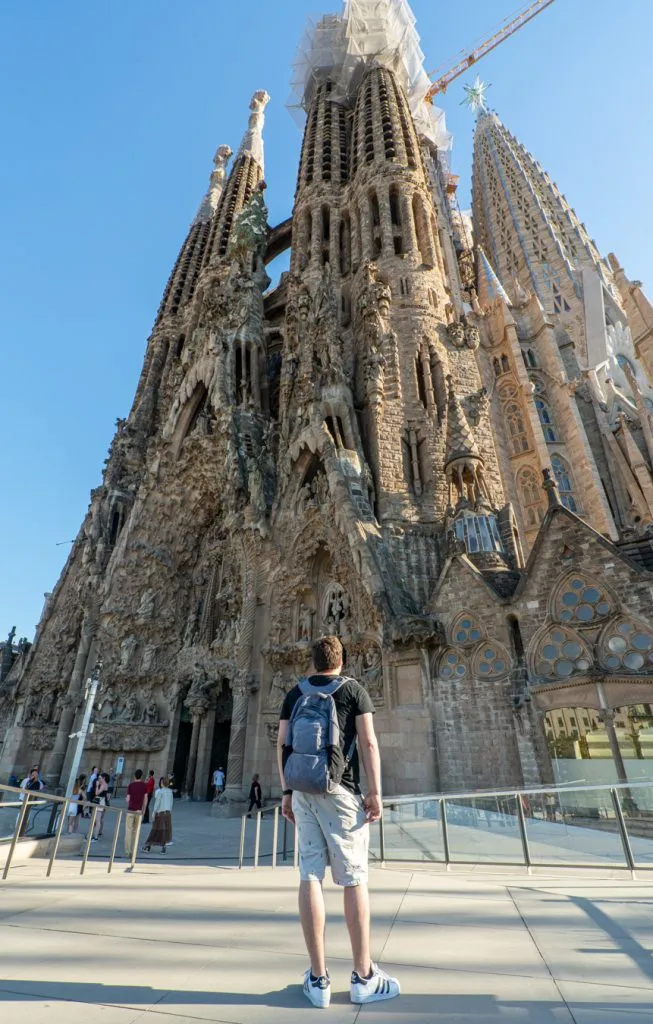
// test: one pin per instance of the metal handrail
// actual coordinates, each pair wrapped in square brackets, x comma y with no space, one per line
[393,801]
[613,791]
[35,798]
[274,809]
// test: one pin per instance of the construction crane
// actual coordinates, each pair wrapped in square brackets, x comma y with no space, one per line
[441,79]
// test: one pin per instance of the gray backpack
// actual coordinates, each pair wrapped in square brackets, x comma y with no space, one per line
[315,762]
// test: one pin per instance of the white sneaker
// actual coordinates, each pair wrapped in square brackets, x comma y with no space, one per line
[371,990]
[318,990]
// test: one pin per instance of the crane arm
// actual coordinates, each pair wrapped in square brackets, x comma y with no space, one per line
[443,80]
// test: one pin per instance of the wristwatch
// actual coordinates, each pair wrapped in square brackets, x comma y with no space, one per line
[287,792]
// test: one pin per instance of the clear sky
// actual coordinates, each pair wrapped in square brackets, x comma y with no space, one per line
[111,115]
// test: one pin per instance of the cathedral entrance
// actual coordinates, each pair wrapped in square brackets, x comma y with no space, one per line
[182,750]
[221,735]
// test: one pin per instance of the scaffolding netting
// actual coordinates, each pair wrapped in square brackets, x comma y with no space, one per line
[339,47]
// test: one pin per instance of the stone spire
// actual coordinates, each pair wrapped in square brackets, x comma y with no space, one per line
[245,177]
[489,285]
[524,222]
[210,202]
[181,283]
[460,439]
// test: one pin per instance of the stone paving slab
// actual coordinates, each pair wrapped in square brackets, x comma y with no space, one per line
[179,942]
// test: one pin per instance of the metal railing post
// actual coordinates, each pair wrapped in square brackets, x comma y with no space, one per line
[241,855]
[285,840]
[116,833]
[257,839]
[623,832]
[522,832]
[445,832]
[137,837]
[17,831]
[57,838]
[295,852]
[275,836]
[89,837]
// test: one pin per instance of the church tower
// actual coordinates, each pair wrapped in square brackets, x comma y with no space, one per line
[582,406]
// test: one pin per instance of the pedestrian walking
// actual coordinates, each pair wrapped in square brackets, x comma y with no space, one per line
[32,783]
[73,808]
[218,782]
[161,831]
[322,720]
[101,797]
[255,796]
[150,782]
[136,798]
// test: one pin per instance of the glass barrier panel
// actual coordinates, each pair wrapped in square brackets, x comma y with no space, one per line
[484,829]
[637,809]
[573,827]
[412,831]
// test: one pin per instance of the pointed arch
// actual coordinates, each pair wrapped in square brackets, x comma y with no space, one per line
[564,481]
[531,496]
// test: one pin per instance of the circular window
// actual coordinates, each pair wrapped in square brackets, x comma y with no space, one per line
[466,631]
[591,595]
[452,666]
[584,613]
[629,647]
[582,602]
[490,662]
[560,655]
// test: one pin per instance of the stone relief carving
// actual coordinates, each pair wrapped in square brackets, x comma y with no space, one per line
[305,623]
[127,652]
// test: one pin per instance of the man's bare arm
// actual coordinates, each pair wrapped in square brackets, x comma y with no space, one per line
[286,801]
[369,752]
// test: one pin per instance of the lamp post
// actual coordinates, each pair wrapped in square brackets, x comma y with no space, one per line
[90,694]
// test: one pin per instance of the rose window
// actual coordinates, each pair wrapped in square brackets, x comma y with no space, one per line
[466,631]
[491,661]
[452,665]
[560,654]
[628,646]
[581,602]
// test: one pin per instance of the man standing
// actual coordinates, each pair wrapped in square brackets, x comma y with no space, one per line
[218,783]
[333,828]
[136,796]
[150,783]
[32,783]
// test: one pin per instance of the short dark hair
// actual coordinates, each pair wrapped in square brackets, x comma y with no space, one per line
[138,774]
[327,654]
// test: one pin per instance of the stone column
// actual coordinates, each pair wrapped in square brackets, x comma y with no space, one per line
[407,224]
[56,759]
[237,738]
[387,235]
[197,713]
[204,766]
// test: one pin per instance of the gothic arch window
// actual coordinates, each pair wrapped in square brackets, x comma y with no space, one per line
[452,665]
[560,653]
[544,412]
[375,213]
[344,241]
[581,601]
[466,631]
[395,219]
[439,378]
[627,645]
[565,485]
[530,495]
[326,234]
[491,661]
[529,358]
[496,366]
[308,232]
[516,428]
[505,363]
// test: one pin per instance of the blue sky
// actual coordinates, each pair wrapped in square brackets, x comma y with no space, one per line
[112,113]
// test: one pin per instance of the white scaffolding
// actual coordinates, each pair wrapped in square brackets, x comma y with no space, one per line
[339,47]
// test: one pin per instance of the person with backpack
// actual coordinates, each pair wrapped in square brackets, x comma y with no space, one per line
[255,796]
[322,720]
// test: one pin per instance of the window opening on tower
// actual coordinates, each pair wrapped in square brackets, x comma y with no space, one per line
[377,244]
[395,219]
[345,244]
[422,230]
[326,234]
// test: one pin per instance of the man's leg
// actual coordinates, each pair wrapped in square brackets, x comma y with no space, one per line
[313,918]
[130,822]
[357,916]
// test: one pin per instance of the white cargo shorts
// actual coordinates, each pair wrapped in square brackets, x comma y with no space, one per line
[331,829]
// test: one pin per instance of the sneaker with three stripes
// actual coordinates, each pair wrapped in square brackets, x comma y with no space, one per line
[318,990]
[377,986]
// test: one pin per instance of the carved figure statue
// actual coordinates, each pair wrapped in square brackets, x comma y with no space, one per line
[255,485]
[127,651]
[45,706]
[372,675]
[456,334]
[146,606]
[305,622]
[108,707]
[150,714]
[130,712]
[324,303]
[336,610]
[29,709]
[277,693]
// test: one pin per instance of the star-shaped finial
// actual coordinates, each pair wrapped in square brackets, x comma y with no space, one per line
[475,95]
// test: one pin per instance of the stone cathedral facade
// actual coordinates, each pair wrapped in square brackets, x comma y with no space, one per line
[438,447]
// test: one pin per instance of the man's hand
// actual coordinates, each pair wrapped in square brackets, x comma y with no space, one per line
[372,805]
[286,808]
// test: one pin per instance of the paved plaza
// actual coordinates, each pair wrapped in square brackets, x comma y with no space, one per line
[190,938]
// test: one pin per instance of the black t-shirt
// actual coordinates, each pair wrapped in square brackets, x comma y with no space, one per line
[351,700]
